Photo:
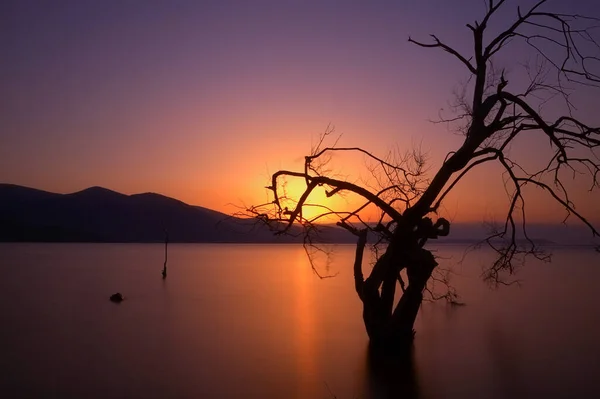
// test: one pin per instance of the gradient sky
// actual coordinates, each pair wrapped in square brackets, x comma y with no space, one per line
[201,100]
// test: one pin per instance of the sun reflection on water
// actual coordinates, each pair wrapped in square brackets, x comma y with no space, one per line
[304,321]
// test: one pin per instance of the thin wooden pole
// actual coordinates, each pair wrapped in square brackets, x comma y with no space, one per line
[164,272]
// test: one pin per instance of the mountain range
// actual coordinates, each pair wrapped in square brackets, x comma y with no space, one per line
[98,214]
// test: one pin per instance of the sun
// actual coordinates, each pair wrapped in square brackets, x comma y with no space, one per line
[321,209]
[316,204]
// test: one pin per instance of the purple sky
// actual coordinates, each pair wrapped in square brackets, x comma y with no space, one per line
[200,100]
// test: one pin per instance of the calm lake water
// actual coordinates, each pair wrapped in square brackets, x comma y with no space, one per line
[253,321]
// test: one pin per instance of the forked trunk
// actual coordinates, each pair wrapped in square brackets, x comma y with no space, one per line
[391,327]
[388,330]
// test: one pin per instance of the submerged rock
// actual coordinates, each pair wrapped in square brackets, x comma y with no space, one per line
[117,297]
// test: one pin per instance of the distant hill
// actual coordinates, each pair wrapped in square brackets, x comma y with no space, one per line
[97,214]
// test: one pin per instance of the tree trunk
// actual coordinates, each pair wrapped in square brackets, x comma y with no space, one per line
[389,327]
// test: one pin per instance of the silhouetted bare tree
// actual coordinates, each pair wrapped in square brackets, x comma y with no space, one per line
[491,116]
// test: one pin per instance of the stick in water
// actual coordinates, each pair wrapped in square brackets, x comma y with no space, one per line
[164,271]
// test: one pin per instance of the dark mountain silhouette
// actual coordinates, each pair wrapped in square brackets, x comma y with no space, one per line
[97,214]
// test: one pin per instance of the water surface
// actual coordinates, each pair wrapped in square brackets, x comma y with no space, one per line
[254,321]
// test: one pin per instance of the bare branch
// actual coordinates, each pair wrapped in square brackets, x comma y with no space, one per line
[438,43]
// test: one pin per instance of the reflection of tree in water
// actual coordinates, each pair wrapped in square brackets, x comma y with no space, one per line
[390,375]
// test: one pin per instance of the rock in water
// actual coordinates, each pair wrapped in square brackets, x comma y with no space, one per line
[118,297]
